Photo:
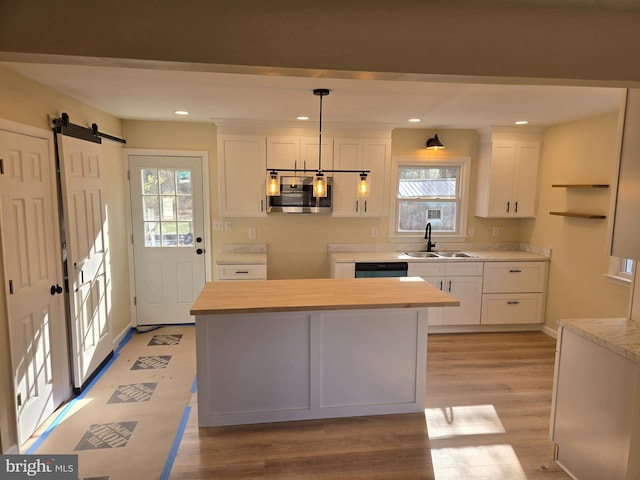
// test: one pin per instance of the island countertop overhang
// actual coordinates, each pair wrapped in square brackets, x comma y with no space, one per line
[260,296]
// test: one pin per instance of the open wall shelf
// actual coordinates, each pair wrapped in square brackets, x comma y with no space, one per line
[595,216]
[580,185]
[579,215]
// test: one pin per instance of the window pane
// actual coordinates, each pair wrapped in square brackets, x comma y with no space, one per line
[149,178]
[167,182]
[185,234]
[168,208]
[627,266]
[413,216]
[151,208]
[428,182]
[169,235]
[151,234]
[184,182]
[185,208]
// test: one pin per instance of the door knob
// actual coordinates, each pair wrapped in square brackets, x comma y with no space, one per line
[199,251]
[198,239]
[56,289]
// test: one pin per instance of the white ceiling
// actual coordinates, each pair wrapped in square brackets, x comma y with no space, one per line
[244,98]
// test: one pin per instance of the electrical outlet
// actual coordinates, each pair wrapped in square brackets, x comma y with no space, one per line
[252,232]
[496,231]
[218,225]
[227,225]
[374,232]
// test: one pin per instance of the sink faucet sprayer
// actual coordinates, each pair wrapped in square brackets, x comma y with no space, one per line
[427,237]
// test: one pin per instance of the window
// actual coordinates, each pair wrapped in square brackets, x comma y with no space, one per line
[430,193]
[167,204]
[621,270]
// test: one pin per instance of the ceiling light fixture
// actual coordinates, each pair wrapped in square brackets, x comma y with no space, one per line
[302,117]
[181,112]
[320,188]
[521,122]
[434,143]
[414,120]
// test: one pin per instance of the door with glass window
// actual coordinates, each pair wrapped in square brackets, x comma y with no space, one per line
[167,216]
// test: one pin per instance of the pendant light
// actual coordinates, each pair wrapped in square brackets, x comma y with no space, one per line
[434,143]
[320,182]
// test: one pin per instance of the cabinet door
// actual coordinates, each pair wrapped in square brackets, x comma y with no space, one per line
[501,179]
[283,152]
[525,183]
[310,153]
[343,270]
[436,314]
[377,158]
[242,173]
[469,291]
[347,155]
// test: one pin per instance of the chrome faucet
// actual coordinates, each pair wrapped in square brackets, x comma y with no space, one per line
[427,237]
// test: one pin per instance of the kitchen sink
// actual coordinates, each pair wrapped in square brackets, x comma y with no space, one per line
[421,254]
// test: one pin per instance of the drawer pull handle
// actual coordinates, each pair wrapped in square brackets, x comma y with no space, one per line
[515,270]
[242,271]
[513,302]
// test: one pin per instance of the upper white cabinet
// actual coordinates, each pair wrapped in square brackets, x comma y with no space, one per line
[508,175]
[361,154]
[626,226]
[299,153]
[242,171]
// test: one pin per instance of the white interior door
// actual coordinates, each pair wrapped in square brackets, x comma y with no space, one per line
[33,274]
[167,217]
[87,254]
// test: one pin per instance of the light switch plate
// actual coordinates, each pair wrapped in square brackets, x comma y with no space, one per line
[227,225]
[218,225]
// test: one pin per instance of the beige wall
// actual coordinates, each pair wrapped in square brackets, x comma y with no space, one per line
[27,102]
[578,152]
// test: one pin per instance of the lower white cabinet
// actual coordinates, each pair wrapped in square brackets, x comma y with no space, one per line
[242,272]
[513,293]
[463,280]
[595,419]
[343,270]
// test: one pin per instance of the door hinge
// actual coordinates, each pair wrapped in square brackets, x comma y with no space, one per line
[129,175]
[132,238]
[135,301]
[1,166]
[19,400]
[11,287]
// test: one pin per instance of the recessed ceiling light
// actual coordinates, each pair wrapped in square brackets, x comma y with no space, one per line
[181,112]
[415,120]
[302,117]
[521,122]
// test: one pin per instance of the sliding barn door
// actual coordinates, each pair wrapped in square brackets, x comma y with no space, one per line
[86,236]
[33,276]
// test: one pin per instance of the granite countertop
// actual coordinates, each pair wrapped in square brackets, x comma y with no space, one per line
[488,255]
[618,335]
[260,296]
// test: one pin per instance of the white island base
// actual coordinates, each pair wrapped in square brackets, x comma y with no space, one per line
[281,366]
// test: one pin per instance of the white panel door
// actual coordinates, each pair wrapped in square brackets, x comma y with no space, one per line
[87,254]
[32,269]
[167,216]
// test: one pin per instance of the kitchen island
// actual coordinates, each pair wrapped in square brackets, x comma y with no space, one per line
[281,350]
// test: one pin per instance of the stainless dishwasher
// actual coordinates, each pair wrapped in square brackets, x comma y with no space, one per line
[381,269]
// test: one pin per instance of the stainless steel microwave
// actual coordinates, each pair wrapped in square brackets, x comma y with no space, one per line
[296,196]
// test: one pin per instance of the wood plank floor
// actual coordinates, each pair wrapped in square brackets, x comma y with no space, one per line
[488,407]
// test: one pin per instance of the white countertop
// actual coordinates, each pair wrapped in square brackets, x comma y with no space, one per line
[488,255]
[244,258]
[618,335]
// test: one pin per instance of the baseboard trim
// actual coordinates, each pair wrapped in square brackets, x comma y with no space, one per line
[550,331]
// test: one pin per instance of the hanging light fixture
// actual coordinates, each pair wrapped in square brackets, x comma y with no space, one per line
[273,184]
[320,184]
[363,185]
[435,143]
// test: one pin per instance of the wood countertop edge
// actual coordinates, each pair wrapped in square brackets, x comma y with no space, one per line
[318,308]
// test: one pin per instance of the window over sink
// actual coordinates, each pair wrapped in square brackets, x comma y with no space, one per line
[433,192]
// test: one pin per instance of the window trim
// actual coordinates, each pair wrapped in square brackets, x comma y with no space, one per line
[463,206]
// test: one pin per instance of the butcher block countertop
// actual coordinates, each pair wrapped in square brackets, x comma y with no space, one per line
[260,296]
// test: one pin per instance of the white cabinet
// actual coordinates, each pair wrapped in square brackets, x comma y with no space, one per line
[361,154]
[299,153]
[343,270]
[513,292]
[626,226]
[463,280]
[242,272]
[242,172]
[508,176]
[595,413]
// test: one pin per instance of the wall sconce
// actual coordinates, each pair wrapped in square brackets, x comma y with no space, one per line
[319,185]
[273,184]
[435,143]
[363,185]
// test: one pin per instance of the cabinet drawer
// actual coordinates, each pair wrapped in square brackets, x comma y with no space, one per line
[242,272]
[464,268]
[505,277]
[426,269]
[504,308]
[438,267]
